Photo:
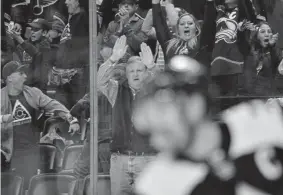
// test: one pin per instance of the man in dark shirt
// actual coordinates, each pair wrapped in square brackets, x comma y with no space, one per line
[39,29]
[70,72]
[240,155]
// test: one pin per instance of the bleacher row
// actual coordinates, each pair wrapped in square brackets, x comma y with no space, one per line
[53,184]
[54,175]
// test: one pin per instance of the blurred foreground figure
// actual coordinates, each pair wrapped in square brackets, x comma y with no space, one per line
[241,155]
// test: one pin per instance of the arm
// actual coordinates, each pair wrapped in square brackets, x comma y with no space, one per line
[6,118]
[82,105]
[163,33]
[209,26]
[53,106]
[106,85]
[147,26]
[111,33]
[172,14]
[136,37]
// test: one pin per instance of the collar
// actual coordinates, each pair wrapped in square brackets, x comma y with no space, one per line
[134,91]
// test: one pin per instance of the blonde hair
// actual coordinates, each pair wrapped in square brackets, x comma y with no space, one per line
[192,44]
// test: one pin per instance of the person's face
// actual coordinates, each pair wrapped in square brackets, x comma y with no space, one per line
[131,8]
[167,123]
[187,28]
[5,57]
[135,73]
[36,34]
[264,35]
[106,52]
[72,6]
[17,79]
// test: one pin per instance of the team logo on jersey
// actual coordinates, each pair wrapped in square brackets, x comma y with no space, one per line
[66,35]
[20,114]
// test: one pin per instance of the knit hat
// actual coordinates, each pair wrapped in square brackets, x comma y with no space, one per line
[12,67]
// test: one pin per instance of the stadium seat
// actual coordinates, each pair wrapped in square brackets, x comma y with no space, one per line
[62,127]
[48,154]
[11,184]
[52,184]
[103,185]
[71,154]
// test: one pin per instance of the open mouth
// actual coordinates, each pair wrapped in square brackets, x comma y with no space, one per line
[136,79]
[187,32]
[266,40]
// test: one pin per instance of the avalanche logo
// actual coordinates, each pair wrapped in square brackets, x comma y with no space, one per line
[20,114]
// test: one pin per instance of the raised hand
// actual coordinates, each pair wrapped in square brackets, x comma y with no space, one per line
[246,25]
[155,1]
[123,13]
[274,39]
[16,36]
[17,27]
[119,49]
[147,56]
[148,21]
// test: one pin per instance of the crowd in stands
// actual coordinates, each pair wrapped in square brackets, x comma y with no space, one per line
[45,71]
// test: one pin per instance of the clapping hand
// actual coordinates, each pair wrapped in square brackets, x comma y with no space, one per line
[119,49]
[124,14]
[16,36]
[17,28]
[147,56]
[274,39]
[246,25]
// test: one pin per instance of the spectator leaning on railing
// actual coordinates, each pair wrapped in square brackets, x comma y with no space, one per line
[19,103]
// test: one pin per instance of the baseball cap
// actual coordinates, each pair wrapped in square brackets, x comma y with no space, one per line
[12,67]
[40,23]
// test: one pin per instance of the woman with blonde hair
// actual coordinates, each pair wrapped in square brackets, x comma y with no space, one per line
[189,38]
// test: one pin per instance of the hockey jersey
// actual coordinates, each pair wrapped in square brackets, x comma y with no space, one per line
[226,56]
[252,140]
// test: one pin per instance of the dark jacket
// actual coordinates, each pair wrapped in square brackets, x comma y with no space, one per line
[124,136]
[132,30]
[73,51]
[39,64]
[260,70]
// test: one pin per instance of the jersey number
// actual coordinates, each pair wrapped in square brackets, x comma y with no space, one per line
[271,170]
